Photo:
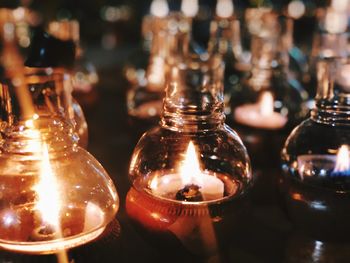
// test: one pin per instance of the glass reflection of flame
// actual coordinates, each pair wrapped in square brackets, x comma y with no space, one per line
[343,159]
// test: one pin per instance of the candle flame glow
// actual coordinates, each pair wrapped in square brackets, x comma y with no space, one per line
[224,8]
[340,5]
[159,8]
[266,104]
[156,71]
[190,170]
[296,9]
[343,159]
[336,22]
[189,7]
[48,203]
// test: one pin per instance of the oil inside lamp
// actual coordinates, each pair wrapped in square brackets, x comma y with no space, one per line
[190,184]
[260,114]
[325,165]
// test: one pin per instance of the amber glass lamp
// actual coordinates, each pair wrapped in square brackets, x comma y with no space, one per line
[192,171]
[54,194]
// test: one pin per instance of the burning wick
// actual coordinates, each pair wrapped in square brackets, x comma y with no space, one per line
[44,233]
[190,193]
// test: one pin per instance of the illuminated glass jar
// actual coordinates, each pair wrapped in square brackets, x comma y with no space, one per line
[268,103]
[50,56]
[316,161]
[54,194]
[190,175]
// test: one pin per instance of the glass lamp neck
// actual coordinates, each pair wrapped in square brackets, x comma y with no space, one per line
[50,90]
[37,108]
[194,95]
[333,92]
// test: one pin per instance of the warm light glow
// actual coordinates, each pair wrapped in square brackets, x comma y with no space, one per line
[266,104]
[336,22]
[19,13]
[156,71]
[159,8]
[296,9]
[224,8]
[190,170]
[189,7]
[48,203]
[340,5]
[343,159]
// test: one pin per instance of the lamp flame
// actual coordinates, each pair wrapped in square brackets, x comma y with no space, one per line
[48,203]
[343,159]
[189,7]
[224,8]
[296,9]
[190,170]
[266,103]
[159,8]
[340,5]
[336,22]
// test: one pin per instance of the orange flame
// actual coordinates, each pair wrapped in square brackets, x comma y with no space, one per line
[266,104]
[48,203]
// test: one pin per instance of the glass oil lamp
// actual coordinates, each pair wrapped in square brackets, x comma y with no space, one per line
[316,160]
[190,175]
[54,194]
[145,96]
[225,39]
[268,103]
[84,74]
[50,56]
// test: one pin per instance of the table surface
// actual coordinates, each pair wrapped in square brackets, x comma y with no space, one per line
[266,235]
